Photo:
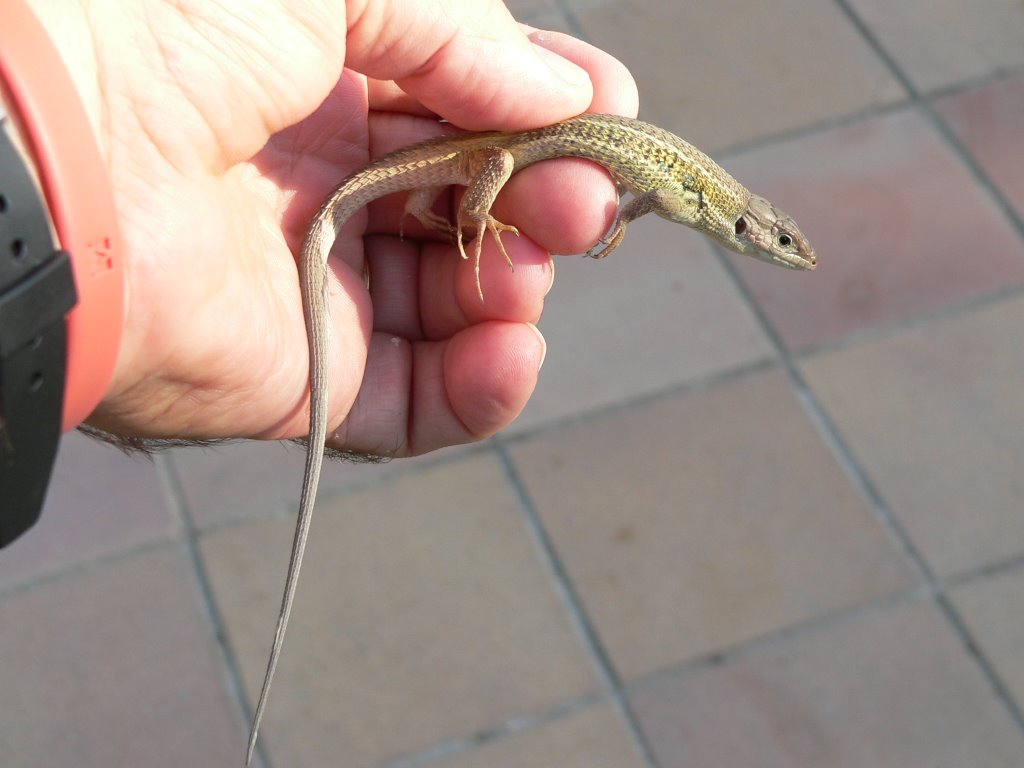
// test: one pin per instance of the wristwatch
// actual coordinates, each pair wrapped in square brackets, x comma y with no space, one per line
[61,306]
[37,289]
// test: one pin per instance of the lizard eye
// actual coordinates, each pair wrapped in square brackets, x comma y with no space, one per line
[784,240]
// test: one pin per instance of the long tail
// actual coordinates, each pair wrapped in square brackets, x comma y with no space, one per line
[313,270]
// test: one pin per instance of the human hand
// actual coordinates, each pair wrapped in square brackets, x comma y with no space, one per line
[224,125]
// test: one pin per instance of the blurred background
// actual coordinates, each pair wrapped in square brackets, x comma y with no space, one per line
[751,518]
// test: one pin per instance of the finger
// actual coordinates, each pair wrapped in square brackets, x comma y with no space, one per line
[386,96]
[614,89]
[515,295]
[466,60]
[567,205]
[425,291]
[489,371]
[421,396]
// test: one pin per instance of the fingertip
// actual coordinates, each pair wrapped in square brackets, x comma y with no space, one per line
[472,64]
[491,370]
[516,293]
[509,84]
[574,75]
[613,87]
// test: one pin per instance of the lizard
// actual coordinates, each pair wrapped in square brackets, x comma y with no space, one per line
[665,175]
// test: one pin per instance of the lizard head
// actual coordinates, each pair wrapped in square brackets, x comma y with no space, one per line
[766,233]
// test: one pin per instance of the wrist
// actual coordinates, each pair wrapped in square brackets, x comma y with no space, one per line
[59,137]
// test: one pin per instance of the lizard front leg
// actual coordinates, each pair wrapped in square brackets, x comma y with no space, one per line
[684,209]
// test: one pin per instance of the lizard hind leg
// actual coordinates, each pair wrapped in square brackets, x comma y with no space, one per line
[490,168]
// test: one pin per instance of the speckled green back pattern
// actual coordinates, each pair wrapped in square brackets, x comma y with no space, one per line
[644,157]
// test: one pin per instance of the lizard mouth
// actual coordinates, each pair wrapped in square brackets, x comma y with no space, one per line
[801,262]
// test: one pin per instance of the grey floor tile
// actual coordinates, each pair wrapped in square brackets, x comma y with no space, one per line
[249,478]
[890,688]
[733,71]
[115,666]
[687,525]
[701,521]
[864,193]
[593,738]
[993,608]
[542,14]
[658,313]
[523,9]
[987,120]
[256,479]
[423,615]
[934,415]
[944,42]
[100,502]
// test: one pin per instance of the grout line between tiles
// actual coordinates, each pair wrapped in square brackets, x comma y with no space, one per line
[741,650]
[68,572]
[911,100]
[938,315]
[983,180]
[775,637]
[924,105]
[639,400]
[616,690]
[578,614]
[858,476]
[572,22]
[973,83]
[767,141]
[614,686]
[553,426]
[831,434]
[912,97]
[829,430]
[992,570]
[190,539]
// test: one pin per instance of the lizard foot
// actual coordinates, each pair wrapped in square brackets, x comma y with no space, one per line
[609,242]
[430,220]
[484,223]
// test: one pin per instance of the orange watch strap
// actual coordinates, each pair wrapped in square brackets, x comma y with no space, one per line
[53,122]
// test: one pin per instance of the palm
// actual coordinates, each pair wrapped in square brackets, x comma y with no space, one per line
[237,230]
[218,155]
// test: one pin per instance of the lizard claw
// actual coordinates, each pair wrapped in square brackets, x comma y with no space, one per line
[609,242]
[483,224]
[429,220]
[496,228]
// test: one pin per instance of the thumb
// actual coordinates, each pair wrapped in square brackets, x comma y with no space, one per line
[466,60]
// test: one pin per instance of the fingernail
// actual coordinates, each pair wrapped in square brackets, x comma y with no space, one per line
[562,67]
[543,344]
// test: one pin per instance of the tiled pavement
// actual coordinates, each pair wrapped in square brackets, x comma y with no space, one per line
[752,519]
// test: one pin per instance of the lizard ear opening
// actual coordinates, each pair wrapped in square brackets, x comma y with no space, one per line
[741,225]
